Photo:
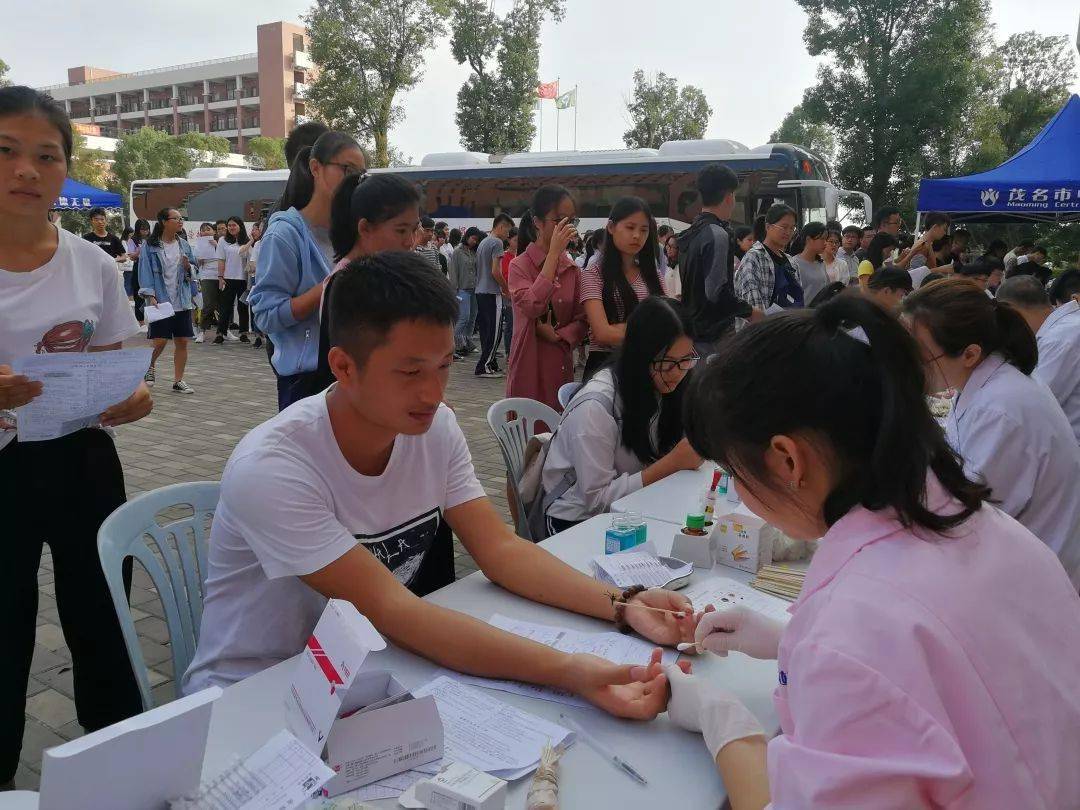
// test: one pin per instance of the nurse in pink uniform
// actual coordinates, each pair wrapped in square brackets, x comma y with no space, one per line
[549,320]
[933,657]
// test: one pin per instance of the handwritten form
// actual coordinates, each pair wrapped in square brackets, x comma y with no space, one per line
[621,649]
[722,592]
[78,386]
[488,734]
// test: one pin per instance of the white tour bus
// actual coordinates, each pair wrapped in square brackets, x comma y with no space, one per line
[468,188]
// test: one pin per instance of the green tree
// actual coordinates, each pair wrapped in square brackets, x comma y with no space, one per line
[3,73]
[367,52]
[899,86]
[660,111]
[89,166]
[203,149]
[797,128]
[495,105]
[149,154]
[266,153]
[1031,80]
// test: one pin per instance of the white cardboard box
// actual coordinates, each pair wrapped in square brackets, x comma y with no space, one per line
[382,730]
[742,541]
[333,655]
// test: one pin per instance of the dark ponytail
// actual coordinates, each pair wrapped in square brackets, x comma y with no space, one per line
[759,228]
[301,185]
[545,199]
[958,314]
[847,351]
[373,197]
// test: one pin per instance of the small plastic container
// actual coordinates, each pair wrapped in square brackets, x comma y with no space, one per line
[620,535]
[641,530]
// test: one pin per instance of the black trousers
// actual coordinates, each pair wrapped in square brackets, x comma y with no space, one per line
[490,324]
[59,492]
[234,288]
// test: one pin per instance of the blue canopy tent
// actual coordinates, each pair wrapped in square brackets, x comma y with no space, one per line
[76,196]
[1040,183]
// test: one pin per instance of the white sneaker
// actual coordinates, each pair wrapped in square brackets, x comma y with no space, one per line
[231,338]
[182,387]
[199,337]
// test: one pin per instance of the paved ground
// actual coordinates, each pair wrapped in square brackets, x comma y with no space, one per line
[189,438]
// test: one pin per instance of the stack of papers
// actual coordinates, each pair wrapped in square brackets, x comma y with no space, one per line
[282,774]
[488,734]
[635,568]
[722,592]
[621,649]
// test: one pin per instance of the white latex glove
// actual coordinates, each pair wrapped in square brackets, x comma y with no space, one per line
[739,629]
[702,706]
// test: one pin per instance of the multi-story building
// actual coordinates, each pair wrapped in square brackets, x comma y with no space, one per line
[237,97]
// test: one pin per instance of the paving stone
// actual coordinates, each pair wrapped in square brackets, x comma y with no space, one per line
[59,678]
[51,708]
[153,628]
[50,636]
[47,659]
[36,738]
[26,778]
[71,731]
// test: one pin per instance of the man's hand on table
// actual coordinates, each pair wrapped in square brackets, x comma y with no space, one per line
[662,628]
[623,690]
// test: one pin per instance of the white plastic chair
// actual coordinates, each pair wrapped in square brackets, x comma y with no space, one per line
[174,555]
[513,435]
[566,393]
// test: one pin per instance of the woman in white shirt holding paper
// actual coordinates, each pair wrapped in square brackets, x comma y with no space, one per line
[58,293]
[1007,426]
[205,249]
[623,429]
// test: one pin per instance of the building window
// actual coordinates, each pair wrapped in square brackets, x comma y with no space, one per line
[298,42]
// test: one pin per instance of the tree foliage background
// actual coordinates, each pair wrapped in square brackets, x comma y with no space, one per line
[266,153]
[367,52]
[917,88]
[495,105]
[660,111]
[149,154]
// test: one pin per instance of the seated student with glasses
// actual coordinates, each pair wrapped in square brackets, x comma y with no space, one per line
[623,430]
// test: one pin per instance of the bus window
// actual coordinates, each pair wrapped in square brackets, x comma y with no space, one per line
[814,206]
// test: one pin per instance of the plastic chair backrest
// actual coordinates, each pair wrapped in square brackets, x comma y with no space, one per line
[173,554]
[567,391]
[513,435]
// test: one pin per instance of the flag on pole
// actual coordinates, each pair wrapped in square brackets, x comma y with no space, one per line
[567,100]
[549,90]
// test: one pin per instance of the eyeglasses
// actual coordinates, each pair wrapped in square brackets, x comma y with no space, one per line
[174,219]
[666,364]
[347,168]
[783,228]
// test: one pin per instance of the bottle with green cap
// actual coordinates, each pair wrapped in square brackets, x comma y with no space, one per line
[695,525]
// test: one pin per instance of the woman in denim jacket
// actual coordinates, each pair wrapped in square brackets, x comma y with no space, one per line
[167,276]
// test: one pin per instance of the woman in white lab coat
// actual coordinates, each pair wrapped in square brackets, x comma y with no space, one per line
[1007,427]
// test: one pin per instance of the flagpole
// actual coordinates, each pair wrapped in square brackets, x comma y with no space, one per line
[558,111]
[576,100]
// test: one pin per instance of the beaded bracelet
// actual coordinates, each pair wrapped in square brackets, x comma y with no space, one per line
[620,606]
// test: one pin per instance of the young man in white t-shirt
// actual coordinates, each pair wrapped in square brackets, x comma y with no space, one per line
[353,493]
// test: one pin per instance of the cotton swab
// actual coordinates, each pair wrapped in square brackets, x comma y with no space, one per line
[678,614]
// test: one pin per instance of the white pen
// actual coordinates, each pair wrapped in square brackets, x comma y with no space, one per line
[603,751]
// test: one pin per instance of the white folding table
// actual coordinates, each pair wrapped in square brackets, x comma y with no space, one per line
[676,763]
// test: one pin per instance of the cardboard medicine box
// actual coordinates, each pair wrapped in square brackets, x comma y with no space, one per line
[742,541]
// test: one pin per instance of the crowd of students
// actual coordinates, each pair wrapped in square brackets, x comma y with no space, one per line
[932,655]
